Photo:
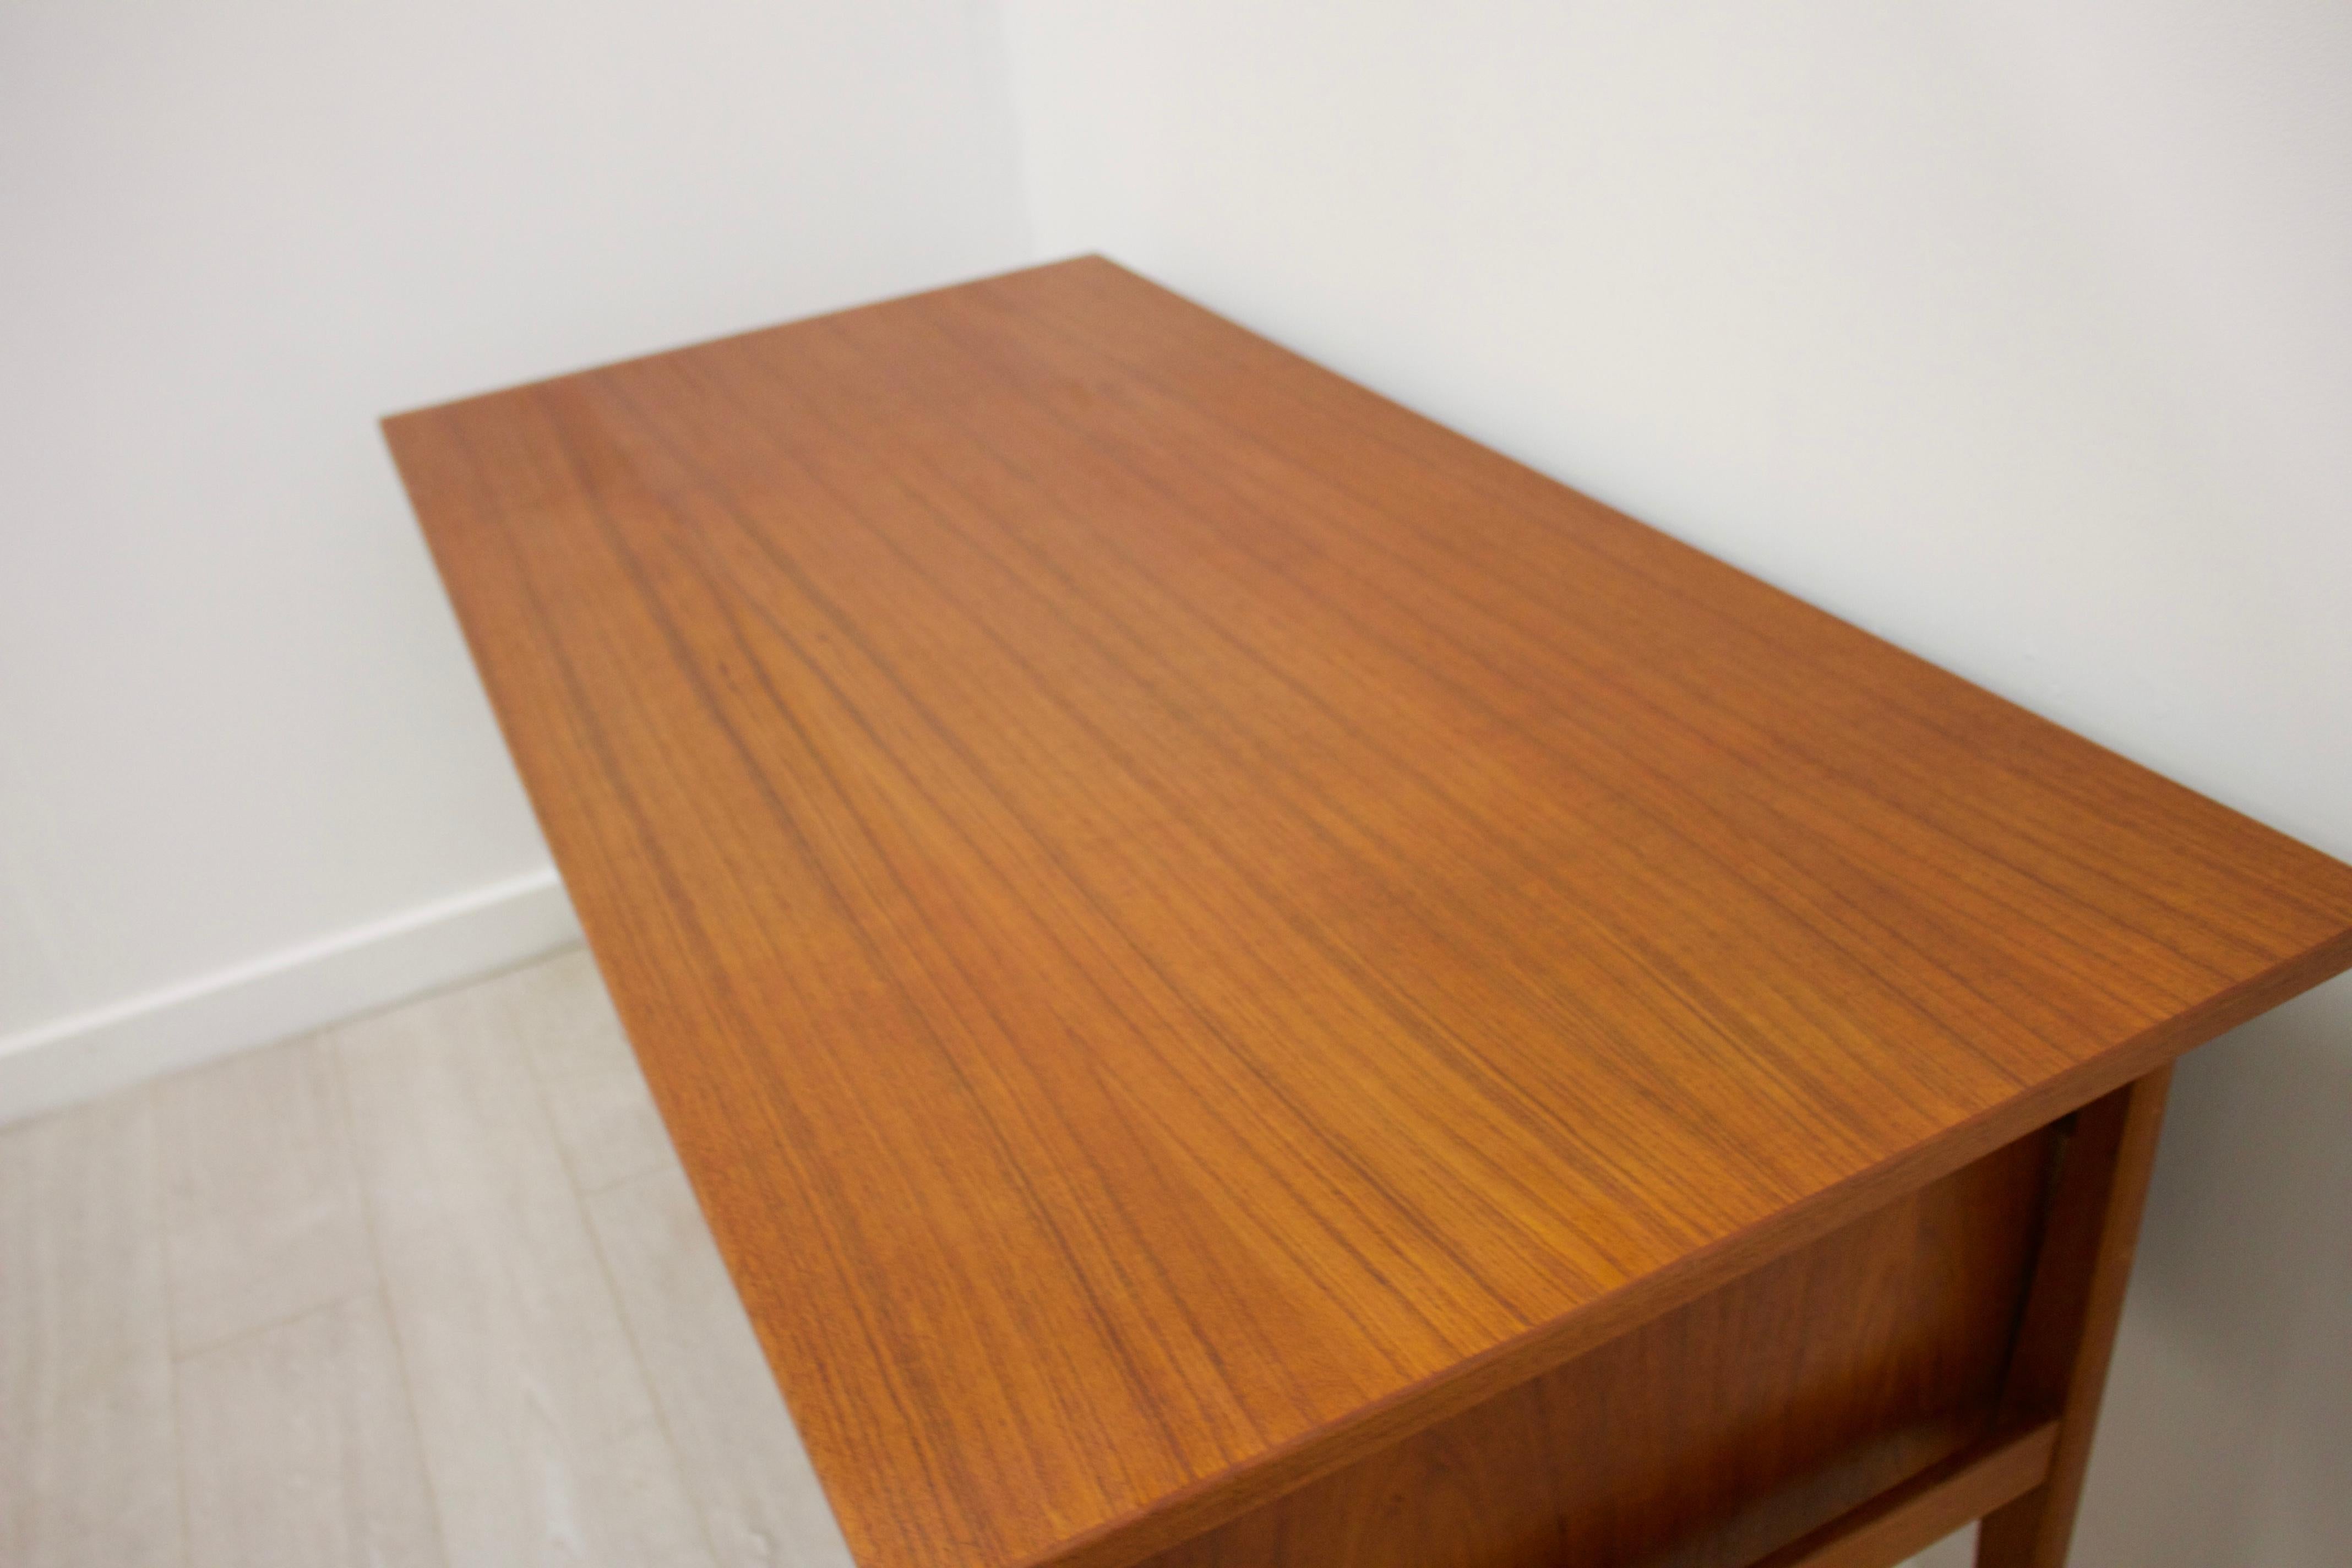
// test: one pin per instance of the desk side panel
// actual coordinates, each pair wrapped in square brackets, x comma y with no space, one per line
[1715,1434]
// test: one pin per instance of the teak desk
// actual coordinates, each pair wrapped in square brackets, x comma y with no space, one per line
[1247,983]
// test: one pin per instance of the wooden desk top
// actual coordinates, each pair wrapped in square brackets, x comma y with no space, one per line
[1187,921]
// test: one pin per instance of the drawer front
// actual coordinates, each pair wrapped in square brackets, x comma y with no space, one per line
[1717,1433]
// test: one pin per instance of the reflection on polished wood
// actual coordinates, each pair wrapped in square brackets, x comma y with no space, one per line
[1200,936]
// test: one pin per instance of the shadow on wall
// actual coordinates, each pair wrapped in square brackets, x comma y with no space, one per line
[2253,1191]
[2228,1412]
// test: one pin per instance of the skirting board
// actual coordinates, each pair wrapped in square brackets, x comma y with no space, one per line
[283,993]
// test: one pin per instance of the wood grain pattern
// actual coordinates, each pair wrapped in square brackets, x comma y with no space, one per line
[2068,1332]
[1715,1434]
[1188,923]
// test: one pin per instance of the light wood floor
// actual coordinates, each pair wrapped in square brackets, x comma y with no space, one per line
[424,1289]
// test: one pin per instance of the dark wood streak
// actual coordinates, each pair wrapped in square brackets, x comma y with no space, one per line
[1431,1031]
[1139,953]
[1680,982]
[1269,755]
[1191,925]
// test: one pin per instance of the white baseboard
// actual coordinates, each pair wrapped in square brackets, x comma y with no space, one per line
[283,993]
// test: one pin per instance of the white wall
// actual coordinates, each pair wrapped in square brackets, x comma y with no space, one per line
[2020,333]
[2017,332]
[247,781]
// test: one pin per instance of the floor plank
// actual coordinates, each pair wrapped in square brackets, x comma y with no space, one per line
[261,1204]
[744,1462]
[1958,1550]
[542,1442]
[603,1114]
[88,1468]
[298,1449]
[403,1339]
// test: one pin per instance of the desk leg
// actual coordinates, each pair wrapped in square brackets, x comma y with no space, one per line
[2060,1365]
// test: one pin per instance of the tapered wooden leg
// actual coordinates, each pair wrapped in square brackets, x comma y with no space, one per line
[2060,1366]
